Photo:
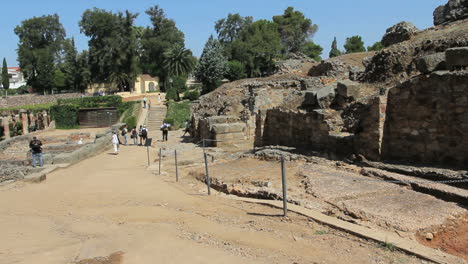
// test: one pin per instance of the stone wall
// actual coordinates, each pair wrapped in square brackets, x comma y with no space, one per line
[34,99]
[427,120]
[219,131]
[370,130]
[30,122]
[319,130]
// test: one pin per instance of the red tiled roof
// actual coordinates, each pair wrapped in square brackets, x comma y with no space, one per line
[14,68]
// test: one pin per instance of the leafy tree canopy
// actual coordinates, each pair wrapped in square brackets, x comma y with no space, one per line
[112,44]
[228,29]
[295,29]
[312,50]
[354,44]
[156,40]
[258,46]
[40,43]
[376,47]
[235,71]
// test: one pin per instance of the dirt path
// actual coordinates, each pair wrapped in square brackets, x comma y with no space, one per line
[110,210]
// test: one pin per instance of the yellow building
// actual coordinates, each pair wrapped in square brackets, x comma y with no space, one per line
[144,83]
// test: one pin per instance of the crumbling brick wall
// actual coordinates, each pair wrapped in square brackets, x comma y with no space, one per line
[300,129]
[427,120]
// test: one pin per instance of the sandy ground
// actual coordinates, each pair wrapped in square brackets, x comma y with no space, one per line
[110,209]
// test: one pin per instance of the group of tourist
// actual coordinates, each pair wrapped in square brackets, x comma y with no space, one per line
[135,134]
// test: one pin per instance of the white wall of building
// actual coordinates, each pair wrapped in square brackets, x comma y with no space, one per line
[16,78]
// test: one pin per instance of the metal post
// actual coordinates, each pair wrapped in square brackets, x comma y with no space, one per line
[147,150]
[203,146]
[285,197]
[176,167]
[160,157]
[207,176]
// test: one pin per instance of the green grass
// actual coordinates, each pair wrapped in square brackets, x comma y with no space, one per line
[388,246]
[321,232]
[32,108]
[177,114]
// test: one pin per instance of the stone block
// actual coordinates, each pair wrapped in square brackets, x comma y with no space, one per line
[223,119]
[228,128]
[430,63]
[230,136]
[348,89]
[456,57]
[325,96]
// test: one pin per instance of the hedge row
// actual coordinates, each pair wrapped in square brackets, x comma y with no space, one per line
[93,102]
[65,116]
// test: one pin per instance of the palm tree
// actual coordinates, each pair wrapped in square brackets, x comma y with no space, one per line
[121,79]
[178,61]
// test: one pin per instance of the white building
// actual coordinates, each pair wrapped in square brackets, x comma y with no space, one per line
[16,78]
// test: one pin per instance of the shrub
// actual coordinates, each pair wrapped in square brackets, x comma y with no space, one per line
[131,122]
[177,114]
[93,102]
[179,83]
[65,116]
[172,94]
[192,95]
[30,108]
[126,107]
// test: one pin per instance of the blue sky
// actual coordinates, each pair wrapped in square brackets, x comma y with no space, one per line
[196,18]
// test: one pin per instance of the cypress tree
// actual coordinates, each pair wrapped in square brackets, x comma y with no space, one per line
[334,49]
[5,78]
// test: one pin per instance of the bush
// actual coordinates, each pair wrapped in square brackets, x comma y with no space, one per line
[179,83]
[131,122]
[126,107]
[93,102]
[30,108]
[191,95]
[236,71]
[177,114]
[65,116]
[172,94]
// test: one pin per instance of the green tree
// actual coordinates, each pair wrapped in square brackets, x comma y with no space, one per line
[236,71]
[112,45]
[312,50]
[156,40]
[354,44]
[376,47]
[295,29]
[40,43]
[4,77]
[334,49]
[84,73]
[59,79]
[75,67]
[212,65]
[258,46]
[228,30]
[178,61]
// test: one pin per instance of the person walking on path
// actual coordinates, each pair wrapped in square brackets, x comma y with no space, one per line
[144,135]
[124,134]
[115,143]
[149,104]
[134,136]
[144,102]
[187,127]
[159,98]
[165,130]
[36,149]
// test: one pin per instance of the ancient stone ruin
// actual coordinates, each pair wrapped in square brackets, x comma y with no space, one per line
[407,102]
